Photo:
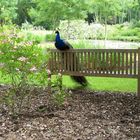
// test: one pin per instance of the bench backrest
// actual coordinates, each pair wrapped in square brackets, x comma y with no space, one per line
[97,62]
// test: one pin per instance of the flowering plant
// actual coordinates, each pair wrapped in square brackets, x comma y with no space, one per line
[25,64]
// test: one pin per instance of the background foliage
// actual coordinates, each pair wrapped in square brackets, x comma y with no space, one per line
[48,13]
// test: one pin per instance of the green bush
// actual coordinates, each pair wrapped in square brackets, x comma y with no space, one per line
[130,32]
[127,38]
[78,29]
[21,60]
[136,24]
[50,37]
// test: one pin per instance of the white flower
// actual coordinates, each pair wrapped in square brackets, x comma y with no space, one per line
[17,69]
[22,59]
[59,74]
[33,68]
[15,47]
[48,71]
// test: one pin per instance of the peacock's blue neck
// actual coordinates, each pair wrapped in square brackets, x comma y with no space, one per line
[57,39]
[59,43]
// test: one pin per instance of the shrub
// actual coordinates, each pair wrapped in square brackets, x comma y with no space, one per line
[79,29]
[21,60]
[136,24]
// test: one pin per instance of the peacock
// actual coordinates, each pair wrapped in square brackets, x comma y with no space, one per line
[63,45]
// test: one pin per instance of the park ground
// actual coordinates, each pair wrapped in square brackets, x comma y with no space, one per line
[85,115]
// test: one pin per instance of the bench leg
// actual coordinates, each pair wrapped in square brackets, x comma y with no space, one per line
[138,87]
[138,72]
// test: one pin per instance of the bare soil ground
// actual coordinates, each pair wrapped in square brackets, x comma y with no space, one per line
[86,115]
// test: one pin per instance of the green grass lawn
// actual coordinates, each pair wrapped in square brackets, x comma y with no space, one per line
[105,84]
[95,83]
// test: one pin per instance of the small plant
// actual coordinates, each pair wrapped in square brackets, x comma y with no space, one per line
[59,93]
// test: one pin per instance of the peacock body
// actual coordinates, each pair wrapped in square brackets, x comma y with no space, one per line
[63,45]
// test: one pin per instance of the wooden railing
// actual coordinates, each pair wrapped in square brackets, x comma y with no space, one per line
[97,62]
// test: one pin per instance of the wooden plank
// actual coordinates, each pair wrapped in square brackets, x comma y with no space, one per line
[100,61]
[58,61]
[138,92]
[123,68]
[74,61]
[126,62]
[96,61]
[131,63]
[115,61]
[135,61]
[107,60]
[92,62]
[71,61]
[89,63]
[61,62]
[68,61]
[104,63]
[64,61]
[110,62]
[78,59]
[119,62]
[85,61]
[82,64]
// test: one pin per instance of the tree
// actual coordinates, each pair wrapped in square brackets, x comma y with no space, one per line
[22,10]
[52,11]
[7,11]
[104,11]
[129,10]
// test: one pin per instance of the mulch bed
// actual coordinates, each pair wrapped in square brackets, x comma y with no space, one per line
[86,115]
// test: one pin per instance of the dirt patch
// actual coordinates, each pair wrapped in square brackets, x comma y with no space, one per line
[87,115]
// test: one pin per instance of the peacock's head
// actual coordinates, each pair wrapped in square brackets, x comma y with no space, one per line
[57,32]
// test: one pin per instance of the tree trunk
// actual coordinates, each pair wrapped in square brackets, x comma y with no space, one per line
[1,22]
[68,27]
[105,32]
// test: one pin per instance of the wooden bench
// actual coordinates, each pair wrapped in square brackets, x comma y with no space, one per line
[121,63]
